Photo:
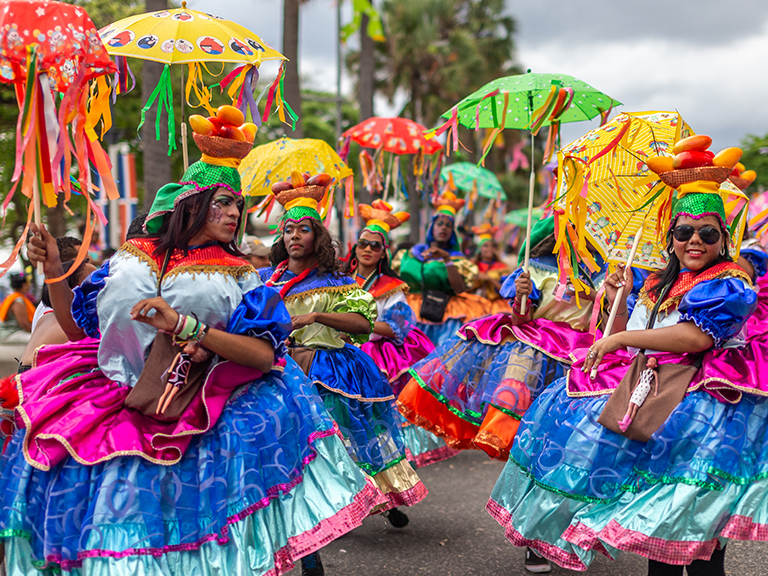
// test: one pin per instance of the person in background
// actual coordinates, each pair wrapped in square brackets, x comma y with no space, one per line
[47,329]
[492,271]
[17,308]
[68,246]
[256,251]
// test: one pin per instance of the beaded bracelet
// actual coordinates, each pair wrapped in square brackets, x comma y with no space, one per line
[516,310]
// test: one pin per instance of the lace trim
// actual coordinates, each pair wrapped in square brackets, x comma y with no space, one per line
[322,290]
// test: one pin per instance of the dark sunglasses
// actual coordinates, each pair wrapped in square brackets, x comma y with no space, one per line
[708,234]
[374,245]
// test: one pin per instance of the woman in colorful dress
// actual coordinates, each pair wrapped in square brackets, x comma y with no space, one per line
[119,469]
[396,343]
[491,270]
[325,304]
[439,265]
[573,488]
[473,390]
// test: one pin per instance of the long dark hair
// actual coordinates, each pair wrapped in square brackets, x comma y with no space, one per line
[385,268]
[187,219]
[324,249]
[668,275]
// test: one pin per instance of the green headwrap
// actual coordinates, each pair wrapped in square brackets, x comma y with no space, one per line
[543,228]
[199,177]
[697,205]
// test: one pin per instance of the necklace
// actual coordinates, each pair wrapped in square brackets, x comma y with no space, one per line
[288,284]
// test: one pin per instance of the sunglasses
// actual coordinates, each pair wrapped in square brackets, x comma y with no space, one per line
[708,234]
[374,245]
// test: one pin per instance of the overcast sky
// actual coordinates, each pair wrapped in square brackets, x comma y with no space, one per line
[705,58]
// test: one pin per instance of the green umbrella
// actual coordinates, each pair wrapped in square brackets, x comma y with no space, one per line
[527,92]
[465,174]
[520,217]
[526,102]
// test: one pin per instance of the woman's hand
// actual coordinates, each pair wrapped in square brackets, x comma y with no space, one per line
[523,286]
[302,320]
[436,254]
[600,348]
[164,317]
[614,281]
[41,248]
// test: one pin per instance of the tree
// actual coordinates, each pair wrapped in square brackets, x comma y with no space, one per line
[291,51]
[437,52]
[756,158]
[157,164]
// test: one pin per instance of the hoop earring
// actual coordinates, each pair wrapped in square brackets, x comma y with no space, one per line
[724,250]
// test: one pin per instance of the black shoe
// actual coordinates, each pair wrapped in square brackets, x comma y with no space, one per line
[311,565]
[535,563]
[396,518]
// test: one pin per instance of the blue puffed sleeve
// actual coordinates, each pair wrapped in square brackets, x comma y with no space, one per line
[401,319]
[719,307]
[262,314]
[509,290]
[84,310]
[758,258]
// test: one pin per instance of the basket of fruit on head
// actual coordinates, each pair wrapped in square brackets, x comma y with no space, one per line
[301,186]
[225,135]
[693,161]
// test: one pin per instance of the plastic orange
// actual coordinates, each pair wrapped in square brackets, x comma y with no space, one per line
[660,164]
[201,125]
[249,129]
[698,143]
[230,116]
[728,157]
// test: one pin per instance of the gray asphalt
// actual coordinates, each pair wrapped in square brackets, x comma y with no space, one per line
[451,534]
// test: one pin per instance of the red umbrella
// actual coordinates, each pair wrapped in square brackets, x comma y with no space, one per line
[396,135]
[66,42]
[47,48]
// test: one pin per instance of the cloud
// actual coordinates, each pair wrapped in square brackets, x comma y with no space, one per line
[718,88]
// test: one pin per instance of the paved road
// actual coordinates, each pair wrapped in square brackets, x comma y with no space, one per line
[451,534]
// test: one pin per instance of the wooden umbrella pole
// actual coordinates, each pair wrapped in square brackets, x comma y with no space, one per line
[184,149]
[620,293]
[531,185]
[38,217]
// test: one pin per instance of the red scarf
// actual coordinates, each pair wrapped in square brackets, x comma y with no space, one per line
[279,270]
[687,280]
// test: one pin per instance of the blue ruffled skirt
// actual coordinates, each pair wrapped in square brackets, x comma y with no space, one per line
[572,488]
[361,402]
[268,484]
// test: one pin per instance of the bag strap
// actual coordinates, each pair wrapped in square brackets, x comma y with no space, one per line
[652,320]
[163,270]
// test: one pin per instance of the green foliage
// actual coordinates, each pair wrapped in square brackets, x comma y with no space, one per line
[756,158]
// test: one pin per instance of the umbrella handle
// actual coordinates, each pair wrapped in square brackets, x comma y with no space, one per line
[531,185]
[38,216]
[620,293]
[184,149]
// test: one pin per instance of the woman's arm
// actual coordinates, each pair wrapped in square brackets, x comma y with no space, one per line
[621,277]
[349,322]
[244,350]
[383,329]
[20,313]
[682,338]
[455,279]
[42,248]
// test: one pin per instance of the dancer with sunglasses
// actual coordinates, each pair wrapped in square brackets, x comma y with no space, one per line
[396,343]
[324,304]
[440,267]
[171,436]
[491,270]
[672,481]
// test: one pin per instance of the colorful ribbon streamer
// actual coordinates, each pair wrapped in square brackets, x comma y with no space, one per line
[163,94]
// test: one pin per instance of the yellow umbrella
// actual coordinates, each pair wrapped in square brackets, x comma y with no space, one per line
[607,193]
[185,36]
[182,35]
[273,162]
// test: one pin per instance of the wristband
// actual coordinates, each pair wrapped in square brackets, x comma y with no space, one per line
[179,324]
[190,326]
[516,310]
